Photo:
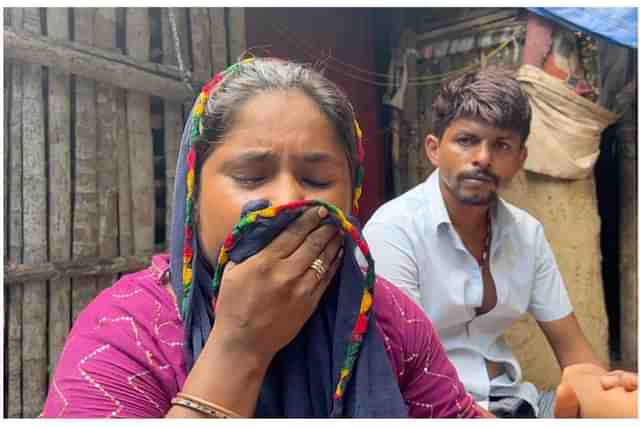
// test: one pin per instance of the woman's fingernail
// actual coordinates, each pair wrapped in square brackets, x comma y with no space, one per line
[322,212]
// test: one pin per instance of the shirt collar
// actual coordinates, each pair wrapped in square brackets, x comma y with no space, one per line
[439,213]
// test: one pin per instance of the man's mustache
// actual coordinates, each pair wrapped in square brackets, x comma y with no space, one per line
[481,175]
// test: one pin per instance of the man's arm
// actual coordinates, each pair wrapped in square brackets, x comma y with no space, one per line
[568,342]
[551,307]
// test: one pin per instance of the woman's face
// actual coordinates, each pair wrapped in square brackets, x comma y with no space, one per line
[280,148]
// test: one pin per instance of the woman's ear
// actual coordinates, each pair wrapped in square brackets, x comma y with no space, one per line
[431,148]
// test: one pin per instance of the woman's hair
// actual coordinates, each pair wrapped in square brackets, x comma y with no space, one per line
[491,95]
[248,79]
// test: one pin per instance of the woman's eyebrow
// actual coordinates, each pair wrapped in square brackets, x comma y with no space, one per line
[255,156]
[317,157]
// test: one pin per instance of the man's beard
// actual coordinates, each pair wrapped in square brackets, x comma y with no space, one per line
[477,199]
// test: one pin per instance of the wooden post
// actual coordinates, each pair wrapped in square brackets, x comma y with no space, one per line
[237,33]
[107,66]
[140,140]
[125,220]
[14,303]
[85,208]
[5,139]
[34,304]
[107,169]
[173,122]
[219,48]
[14,274]
[59,135]
[168,42]
[201,43]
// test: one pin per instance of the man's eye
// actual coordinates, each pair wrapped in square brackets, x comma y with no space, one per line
[503,146]
[464,141]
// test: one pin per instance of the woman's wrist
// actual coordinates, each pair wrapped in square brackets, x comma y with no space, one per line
[227,345]
[228,374]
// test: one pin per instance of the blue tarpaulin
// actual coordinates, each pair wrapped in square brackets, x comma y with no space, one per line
[616,24]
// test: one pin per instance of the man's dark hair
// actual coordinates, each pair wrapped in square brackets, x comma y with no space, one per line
[492,96]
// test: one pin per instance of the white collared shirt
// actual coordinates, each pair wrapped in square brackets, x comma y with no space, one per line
[415,247]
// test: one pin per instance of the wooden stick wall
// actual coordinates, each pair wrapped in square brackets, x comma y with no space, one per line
[89,163]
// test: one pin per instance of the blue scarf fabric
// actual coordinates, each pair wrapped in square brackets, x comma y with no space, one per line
[302,377]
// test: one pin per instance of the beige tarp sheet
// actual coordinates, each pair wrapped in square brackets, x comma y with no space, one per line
[565,127]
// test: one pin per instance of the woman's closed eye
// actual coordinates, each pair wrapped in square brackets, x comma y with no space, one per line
[248,180]
[317,183]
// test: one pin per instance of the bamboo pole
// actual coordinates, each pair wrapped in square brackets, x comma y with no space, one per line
[140,139]
[219,47]
[201,43]
[98,64]
[59,134]
[237,30]
[85,209]
[125,221]
[173,116]
[107,169]
[14,303]
[5,140]
[34,304]
[15,274]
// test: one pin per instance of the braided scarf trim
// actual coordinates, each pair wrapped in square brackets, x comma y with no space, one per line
[196,117]
[362,321]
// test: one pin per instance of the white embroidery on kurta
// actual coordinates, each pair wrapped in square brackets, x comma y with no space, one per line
[96,384]
[157,326]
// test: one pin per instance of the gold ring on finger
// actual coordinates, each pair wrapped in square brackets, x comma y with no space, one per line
[318,267]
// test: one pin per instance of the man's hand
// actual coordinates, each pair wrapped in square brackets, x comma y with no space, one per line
[619,378]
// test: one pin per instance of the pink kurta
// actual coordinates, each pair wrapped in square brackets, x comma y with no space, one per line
[124,356]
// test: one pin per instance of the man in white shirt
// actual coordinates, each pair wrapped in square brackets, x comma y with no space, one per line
[474,262]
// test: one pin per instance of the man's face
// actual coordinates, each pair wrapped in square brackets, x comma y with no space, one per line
[475,160]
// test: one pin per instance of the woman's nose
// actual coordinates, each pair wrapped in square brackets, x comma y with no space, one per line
[286,189]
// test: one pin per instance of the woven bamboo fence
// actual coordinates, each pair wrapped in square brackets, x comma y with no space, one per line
[94,106]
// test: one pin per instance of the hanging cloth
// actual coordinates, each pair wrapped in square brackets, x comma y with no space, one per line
[565,128]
